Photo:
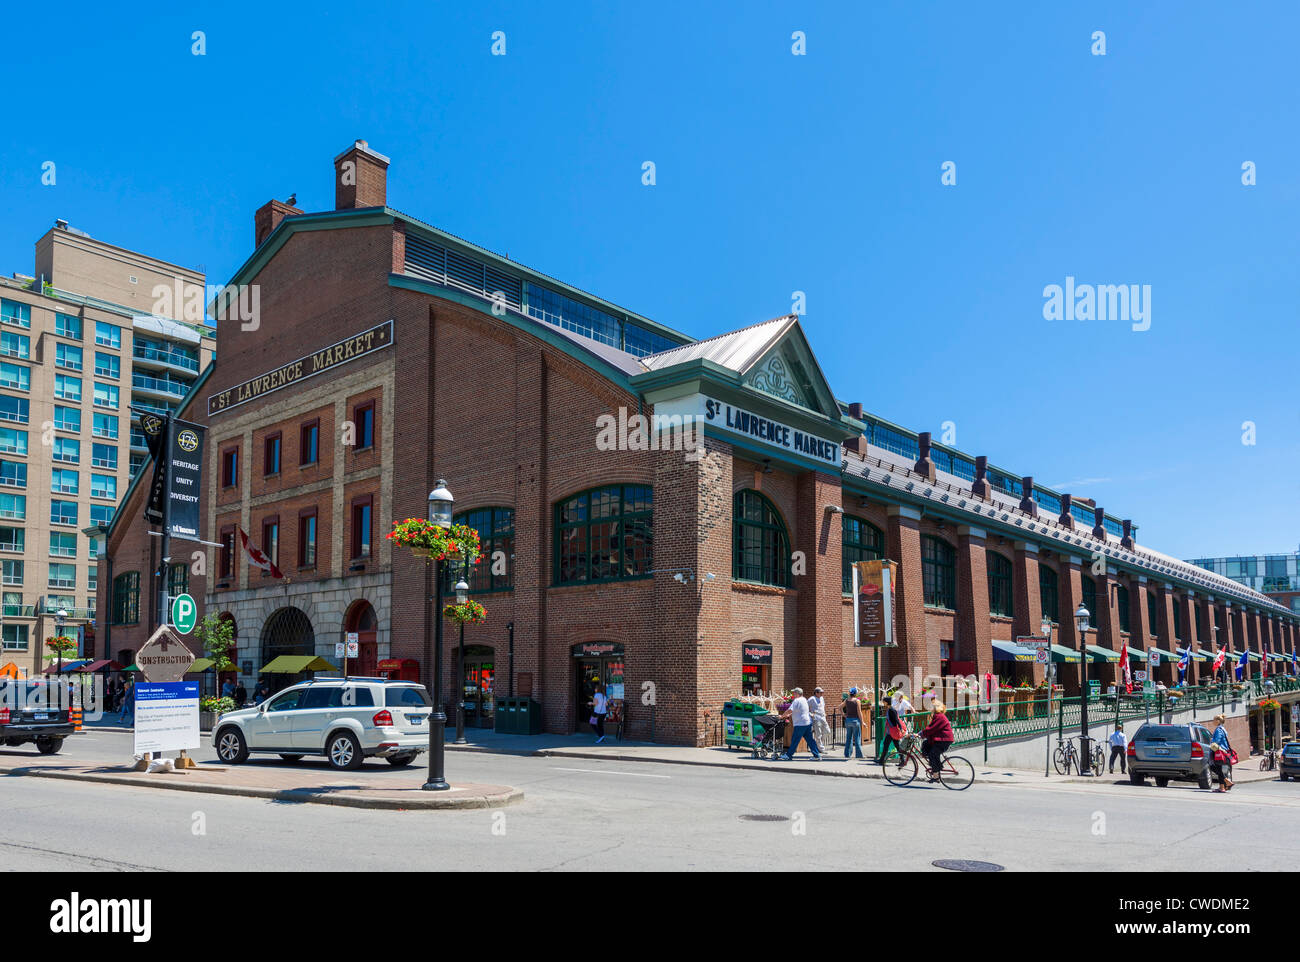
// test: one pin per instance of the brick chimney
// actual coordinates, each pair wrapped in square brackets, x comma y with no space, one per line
[1066,519]
[1127,540]
[1027,503]
[980,486]
[268,218]
[360,178]
[1099,523]
[924,466]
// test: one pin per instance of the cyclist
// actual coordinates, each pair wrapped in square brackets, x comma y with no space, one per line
[937,738]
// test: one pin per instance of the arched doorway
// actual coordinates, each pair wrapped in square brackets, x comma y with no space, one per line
[360,619]
[287,632]
[478,685]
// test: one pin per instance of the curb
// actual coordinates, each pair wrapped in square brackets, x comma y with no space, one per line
[306,795]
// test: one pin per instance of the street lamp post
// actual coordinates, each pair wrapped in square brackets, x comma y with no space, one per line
[60,619]
[1081,618]
[1046,628]
[440,505]
[462,596]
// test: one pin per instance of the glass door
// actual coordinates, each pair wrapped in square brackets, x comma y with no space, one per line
[480,703]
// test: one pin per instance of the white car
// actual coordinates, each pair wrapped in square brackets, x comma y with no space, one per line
[345,719]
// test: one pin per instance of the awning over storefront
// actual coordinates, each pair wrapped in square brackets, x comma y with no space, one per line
[293,664]
[11,670]
[67,666]
[1062,654]
[200,664]
[1164,655]
[1007,651]
[1197,655]
[1097,653]
[1275,656]
[104,664]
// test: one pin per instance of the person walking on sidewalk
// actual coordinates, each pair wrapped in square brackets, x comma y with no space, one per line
[1118,749]
[599,709]
[1222,768]
[128,703]
[801,721]
[817,708]
[852,723]
[895,729]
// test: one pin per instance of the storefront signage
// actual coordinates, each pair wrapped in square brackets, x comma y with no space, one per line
[756,655]
[741,422]
[873,604]
[597,649]
[318,362]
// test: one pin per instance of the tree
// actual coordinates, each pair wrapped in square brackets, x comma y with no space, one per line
[217,636]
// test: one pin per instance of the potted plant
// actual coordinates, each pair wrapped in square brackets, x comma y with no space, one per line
[212,707]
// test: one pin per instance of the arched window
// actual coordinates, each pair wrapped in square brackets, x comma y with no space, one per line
[604,535]
[760,543]
[1001,582]
[1121,600]
[1047,593]
[939,573]
[496,535]
[863,541]
[1090,600]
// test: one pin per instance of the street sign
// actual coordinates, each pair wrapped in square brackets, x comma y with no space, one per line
[354,644]
[164,657]
[1153,657]
[1140,676]
[352,649]
[1032,641]
[184,614]
[1041,656]
[166,716]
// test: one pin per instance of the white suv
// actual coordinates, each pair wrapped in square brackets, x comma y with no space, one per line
[345,719]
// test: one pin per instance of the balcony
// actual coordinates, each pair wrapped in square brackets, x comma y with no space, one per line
[159,387]
[164,360]
[159,409]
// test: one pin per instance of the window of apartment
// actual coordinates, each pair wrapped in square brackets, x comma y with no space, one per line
[65,481]
[271,454]
[13,539]
[15,313]
[67,387]
[226,554]
[136,463]
[761,544]
[939,573]
[101,515]
[108,335]
[16,409]
[67,450]
[230,467]
[107,365]
[92,585]
[16,376]
[862,541]
[103,486]
[309,442]
[13,507]
[63,544]
[11,572]
[13,604]
[307,538]
[1121,600]
[178,580]
[65,325]
[361,528]
[126,598]
[1048,593]
[63,576]
[63,512]
[1001,586]
[15,345]
[14,638]
[103,456]
[13,441]
[1090,600]
[104,426]
[271,539]
[496,535]
[106,395]
[92,548]
[67,419]
[67,355]
[13,474]
[363,417]
[55,602]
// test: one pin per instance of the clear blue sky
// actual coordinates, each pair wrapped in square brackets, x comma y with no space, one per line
[775,173]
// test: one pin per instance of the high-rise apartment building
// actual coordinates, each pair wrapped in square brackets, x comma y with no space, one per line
[83,340]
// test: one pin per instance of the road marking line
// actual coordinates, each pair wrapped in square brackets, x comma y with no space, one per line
[594,771]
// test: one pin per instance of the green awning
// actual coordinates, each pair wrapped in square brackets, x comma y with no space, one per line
[132,667]
[1164,655]
[294,664]
[1097,653]
[1062,654]
[1201,655]
[1253,656]
[1275,656]
[201,664]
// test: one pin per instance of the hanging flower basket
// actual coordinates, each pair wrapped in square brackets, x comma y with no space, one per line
[426,540]
[61,644]
[1269,704]
[470,613]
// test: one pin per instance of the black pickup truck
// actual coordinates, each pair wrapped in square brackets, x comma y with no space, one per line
[30,714]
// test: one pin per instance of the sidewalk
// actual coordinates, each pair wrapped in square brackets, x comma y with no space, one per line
[279,784]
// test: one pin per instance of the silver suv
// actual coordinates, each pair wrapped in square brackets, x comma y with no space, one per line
[345,719]
[1183,752]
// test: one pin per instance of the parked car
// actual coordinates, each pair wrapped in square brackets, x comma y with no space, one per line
[31,712]
[1288,761]
[345,719]
[1164,752]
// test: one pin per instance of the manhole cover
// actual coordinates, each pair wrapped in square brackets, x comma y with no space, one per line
[966,865]
[765,818]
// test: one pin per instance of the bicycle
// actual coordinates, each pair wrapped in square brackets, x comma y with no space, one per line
[1067,756]
[954,772]
[1269,762]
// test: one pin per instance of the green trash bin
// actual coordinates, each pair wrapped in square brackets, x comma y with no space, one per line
[738,724]
[507,721]
[528,717]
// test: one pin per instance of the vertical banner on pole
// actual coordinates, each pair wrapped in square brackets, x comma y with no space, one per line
[873,604]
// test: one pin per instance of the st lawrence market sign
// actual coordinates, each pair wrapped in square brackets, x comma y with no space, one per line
[318,362]
[732,419]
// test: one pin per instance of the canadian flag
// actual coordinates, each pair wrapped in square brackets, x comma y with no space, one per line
[1128,671]
[257,557]
[1218,660]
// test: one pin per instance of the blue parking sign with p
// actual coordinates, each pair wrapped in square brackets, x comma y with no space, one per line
[184,614]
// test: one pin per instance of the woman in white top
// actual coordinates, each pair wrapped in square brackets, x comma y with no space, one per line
[599,708]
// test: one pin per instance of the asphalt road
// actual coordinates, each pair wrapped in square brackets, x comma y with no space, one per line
[588,815]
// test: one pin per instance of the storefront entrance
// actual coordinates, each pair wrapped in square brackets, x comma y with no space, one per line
[597,663]
[478,688]
[756,669]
